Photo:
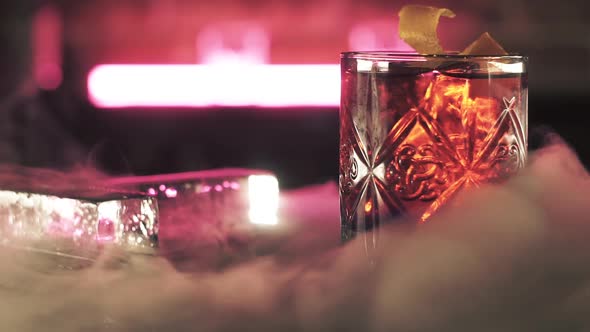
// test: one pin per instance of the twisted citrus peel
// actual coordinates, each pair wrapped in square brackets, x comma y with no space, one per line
[418,28]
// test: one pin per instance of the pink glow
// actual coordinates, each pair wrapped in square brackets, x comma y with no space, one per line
[105,230]
[116,86]
[376,35]
[233,42]
[46,48]
[171,193]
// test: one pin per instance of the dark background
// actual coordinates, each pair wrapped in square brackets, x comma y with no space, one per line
[299,144]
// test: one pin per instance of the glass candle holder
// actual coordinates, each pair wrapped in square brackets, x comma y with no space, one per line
[415,130]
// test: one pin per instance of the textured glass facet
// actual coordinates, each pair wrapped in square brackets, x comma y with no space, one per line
[415,130]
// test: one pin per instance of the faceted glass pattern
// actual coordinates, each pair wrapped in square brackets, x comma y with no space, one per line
[414,130]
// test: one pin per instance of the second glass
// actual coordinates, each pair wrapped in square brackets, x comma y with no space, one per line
[414,130]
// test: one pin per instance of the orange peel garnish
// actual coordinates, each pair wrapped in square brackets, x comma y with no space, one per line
[418,25]
[418,28]
[484,45]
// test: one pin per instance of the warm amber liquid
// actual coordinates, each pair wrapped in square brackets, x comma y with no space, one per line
[409,143]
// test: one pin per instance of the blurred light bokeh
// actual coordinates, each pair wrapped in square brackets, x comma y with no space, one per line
[56,44]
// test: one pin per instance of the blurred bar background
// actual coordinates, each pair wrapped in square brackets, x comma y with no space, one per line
[50,118]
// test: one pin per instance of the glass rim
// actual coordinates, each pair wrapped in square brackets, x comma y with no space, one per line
[401,55]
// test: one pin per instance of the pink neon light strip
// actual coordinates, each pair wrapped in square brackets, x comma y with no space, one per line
[116,86]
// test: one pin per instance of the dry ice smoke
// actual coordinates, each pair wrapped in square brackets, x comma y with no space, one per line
[514,257]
